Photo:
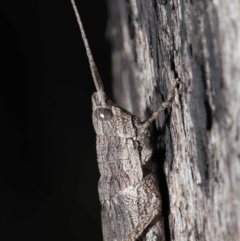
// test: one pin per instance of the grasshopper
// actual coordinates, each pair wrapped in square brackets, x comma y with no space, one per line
[128,192]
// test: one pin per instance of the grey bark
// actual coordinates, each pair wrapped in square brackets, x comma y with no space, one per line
[154,42]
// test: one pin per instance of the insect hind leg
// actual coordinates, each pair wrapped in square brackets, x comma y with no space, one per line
[147,197]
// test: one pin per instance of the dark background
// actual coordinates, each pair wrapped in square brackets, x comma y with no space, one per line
[48,167]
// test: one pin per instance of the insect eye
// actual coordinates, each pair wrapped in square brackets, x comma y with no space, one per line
[103,114]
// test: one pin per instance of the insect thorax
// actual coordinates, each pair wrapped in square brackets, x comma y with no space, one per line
[121,150]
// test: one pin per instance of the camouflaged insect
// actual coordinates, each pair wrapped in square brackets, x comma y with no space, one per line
[128,192]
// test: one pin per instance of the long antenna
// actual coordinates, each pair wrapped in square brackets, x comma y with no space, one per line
[95,74]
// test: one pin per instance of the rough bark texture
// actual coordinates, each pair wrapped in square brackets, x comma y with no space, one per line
[154,42]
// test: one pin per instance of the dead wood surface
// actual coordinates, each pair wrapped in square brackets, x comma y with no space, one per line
[154,42]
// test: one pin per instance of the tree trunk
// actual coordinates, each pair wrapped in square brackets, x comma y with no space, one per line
[155,42]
